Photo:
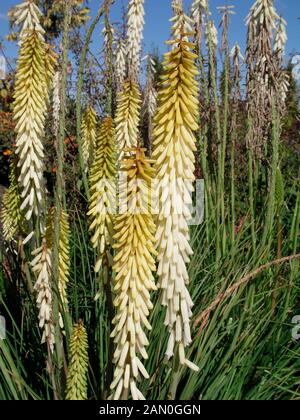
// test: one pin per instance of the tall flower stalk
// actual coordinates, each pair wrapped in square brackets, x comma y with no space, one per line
[261,23]
[199,9]
[236,98]
[263,99]
[174,147]
[134,264]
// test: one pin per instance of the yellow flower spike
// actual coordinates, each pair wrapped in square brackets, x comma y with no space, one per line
[88,135]
[174,147]
[133,263]
[64,258]
[128,116]
[102,190]
[34,72]
[64,254]
[11,217]
[78,364]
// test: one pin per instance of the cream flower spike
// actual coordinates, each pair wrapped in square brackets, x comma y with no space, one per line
[128,116]
[135,26]
[35,70]
[174,147]
[198,8]
[180,21]
[263,13]
[211,32]
[177,5]
[150,97]
[134,264]
[41,266]
[27,15]
[108,33]
[279,49]
[120,63]
[281,38]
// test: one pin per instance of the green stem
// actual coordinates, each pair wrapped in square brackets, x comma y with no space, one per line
[219,142]
[203,147]
[269,221]
[232,188]
[175,376]
[251,196]
[223,153]
[59,200]
[110,71]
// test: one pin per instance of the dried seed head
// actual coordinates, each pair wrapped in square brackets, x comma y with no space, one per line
[262,80]
[226,12]
[262,13]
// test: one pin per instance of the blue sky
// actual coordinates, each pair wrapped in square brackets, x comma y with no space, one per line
[157,27]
